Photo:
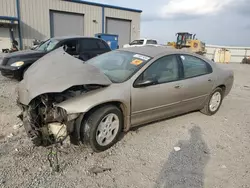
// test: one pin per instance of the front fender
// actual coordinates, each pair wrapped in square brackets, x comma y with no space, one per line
[28,63]
[85,102]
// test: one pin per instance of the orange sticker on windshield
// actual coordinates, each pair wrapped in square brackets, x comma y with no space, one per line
[137,62]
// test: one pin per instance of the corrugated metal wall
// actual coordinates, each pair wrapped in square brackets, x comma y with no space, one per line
[127,15]
[8,8]
[65,24]
[237,53]
[119,27]
[35,19]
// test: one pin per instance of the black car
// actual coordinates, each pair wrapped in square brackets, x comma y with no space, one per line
[15,64]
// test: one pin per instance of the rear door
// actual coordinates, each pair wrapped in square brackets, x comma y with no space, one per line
[90,48]
[197,82]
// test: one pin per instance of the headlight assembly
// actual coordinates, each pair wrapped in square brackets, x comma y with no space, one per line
[17,64]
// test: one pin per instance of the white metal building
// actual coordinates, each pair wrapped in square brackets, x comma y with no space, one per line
[237,53]
[26,20]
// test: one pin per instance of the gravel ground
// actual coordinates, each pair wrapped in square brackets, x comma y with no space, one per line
[214,151]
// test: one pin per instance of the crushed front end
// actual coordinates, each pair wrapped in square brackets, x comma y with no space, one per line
[51,80]
[45,123]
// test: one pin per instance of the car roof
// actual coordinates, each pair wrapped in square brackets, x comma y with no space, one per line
[145,39]
[151,50]
[72,37]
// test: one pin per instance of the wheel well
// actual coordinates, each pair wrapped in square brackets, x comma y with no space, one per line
[118,104]
[223,87]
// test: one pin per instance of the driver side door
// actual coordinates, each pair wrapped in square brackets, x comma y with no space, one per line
[160,99]
[71,46]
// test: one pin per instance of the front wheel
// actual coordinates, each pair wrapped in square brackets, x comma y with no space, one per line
[213,103]
[102,128]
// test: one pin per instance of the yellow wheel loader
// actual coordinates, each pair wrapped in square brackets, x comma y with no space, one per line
[188,40]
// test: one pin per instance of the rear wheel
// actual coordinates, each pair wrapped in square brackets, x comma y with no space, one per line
[213,103]
[102,128]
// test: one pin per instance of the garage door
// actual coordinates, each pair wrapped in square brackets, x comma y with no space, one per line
[64,24]
[5,41]
[121,28]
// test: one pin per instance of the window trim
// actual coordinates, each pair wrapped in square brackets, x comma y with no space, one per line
[179,70]
[209,67]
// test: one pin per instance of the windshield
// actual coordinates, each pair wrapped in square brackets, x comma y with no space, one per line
[137,42]
[47,45]
[119,66]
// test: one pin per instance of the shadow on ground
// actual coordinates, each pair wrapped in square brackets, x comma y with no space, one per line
[185,168]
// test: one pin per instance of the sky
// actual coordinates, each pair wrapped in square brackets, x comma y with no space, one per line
[218,22]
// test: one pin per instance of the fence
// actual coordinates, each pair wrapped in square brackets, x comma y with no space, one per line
[237,53]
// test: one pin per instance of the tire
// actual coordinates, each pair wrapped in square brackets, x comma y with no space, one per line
[90,129]
[207,108]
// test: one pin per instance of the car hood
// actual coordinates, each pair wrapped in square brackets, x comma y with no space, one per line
[24,53]
[56,72]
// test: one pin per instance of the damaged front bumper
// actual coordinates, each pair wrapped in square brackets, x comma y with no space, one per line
[46,125]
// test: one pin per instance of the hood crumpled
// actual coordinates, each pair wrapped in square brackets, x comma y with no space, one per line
[56,72]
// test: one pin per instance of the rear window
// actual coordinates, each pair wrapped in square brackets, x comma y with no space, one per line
[151,42]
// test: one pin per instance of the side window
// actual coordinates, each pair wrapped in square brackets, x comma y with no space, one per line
[151,42]
[88,44]
[71,46]
[165,69]
[137,42]
[194,66]
[101,45]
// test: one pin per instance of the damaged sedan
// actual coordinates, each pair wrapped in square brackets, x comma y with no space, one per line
[93,102]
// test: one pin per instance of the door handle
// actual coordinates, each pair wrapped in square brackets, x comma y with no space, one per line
[177,87]
[210,80]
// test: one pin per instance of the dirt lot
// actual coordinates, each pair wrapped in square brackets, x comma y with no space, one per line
[214,151]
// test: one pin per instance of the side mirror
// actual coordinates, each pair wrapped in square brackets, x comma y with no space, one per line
[145,83]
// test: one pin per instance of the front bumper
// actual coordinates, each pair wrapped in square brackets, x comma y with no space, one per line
[55,131]
[11,72]
[48,134]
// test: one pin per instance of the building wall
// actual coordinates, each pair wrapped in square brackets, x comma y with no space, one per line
[127,15]
[8,8]
[237,53]
[35,18]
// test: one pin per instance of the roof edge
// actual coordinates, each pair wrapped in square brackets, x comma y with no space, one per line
[104,5]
